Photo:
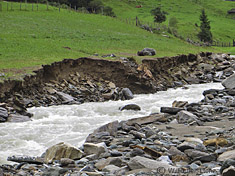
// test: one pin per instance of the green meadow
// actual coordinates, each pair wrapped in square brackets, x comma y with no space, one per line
[29,39]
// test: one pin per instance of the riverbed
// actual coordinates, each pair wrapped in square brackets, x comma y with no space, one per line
[72,123]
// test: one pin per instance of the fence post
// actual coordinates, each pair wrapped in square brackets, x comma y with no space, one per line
[59,7]
[11,6]
[32,6]
[7,6]
[20,5]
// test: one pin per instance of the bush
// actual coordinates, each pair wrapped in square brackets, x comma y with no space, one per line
[159,16]
[108,11]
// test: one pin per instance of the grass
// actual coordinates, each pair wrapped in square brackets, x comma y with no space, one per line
[29,39]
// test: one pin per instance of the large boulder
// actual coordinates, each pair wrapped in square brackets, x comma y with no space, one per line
[62,150]
[229,83]
[227,155]
[133,107]
[147,52]
[127,93]
[3,114]
[97,149]
[186,117]
[139,162]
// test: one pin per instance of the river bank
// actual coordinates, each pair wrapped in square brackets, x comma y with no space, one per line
[175,140]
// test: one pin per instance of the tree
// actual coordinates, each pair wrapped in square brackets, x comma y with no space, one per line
[108,11]
[205,34]
[159,16]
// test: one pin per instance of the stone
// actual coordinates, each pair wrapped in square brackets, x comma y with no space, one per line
[65,97]
[62,150]
[145,119]
[227,155]
[206,67]
[229,83]
[137,135]
[66,161]
[186,117]
[133,107]
[226,164]
[186,145]
[25,159]
[105,130]
[194,153]
[111,160]
[3,113]
[170,110]
[229,171]
[147,52]
[18,118]
[97,149]
[127,93]
[139,162]
[110,169]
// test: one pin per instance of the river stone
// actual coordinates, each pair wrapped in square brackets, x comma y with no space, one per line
[3,113]
[127,93]
[130,107]
[226,164]
[62,150]
[170,110]
[18,118]
[105,130]
[194,153]
[229,171]
[186,117]
[139,162]
[147,52]
[111,160]
[227,155]
[186,145]
[179,104]
[25,159]
[97,149]
[110,169]
[65,97]
[145,119]
[229,83]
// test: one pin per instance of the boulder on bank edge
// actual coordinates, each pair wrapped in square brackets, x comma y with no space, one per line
[133,107]
[229,83]
[147,52]
[62,150]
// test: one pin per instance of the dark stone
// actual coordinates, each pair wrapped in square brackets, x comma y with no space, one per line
[170,110]
[25,159]
[210,91]
[226,164]
[127,93]
[130,107]
[18,118]
[147,52]
[3,113]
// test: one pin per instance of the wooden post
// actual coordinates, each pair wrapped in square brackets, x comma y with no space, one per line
[20,5]
[11,6]
[59,7]
[37,6]
[75,8]
[32,6]
[47,5]
[7,6]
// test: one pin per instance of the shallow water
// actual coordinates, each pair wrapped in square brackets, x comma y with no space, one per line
[72,123]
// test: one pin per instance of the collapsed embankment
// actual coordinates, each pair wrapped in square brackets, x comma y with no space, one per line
[85,79]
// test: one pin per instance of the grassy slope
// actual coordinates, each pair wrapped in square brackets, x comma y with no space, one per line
[187,13]
[29,39]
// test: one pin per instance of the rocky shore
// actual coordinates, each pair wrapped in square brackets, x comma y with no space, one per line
[185,139]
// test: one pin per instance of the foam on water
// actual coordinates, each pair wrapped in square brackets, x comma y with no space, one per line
[72,123]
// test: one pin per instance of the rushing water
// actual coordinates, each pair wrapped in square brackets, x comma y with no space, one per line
[72,123]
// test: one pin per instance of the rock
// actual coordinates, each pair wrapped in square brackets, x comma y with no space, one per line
[227,163]
[3,113]
[65,97]
[66,161]
[25,159]
[139,162]
[205,67]
[145,119]
[227,155]
[105,130]
[111,160]
[194,153]
[229,83]
[229,171]
[62,150]
[97,149]
[18,118]
[186,117]
[110,169]
[133,107]
[55,171]
[147,52]
[170,110]
[127,93]
[137,135]
[186,145]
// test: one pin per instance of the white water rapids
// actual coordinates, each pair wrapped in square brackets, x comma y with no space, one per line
[72,123]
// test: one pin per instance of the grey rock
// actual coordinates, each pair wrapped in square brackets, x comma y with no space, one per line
[229,171]
[65,97]
[145,119]
[127,93]
[18,118]
[55,171]
[229,83]
[97,149]
[139,162]
[186,145]
[227,163]
[130,107]
[136,152]
[137,134]
[147,52]
[66,161]
[3,113]
[194,153]
[227,155]
[110,169]
[186,117]
[170,110]
[25,159]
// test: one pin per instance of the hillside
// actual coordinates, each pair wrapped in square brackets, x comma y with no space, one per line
[29,38]
[186,12]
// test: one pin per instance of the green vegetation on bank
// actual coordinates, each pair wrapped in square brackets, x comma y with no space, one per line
[29,38]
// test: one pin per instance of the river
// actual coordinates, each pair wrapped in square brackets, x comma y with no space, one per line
[72,123]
